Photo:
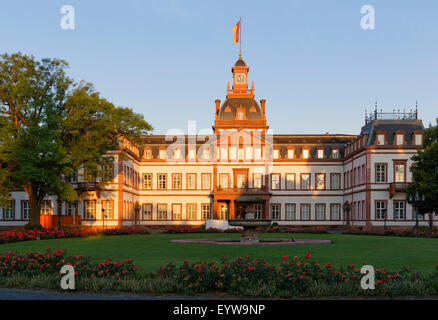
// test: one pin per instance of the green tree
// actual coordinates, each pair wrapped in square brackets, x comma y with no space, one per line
[425,171]
[51,126]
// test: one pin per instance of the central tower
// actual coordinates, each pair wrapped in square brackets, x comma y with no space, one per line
[240,110]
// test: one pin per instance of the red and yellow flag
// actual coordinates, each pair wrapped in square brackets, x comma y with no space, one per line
[236,30]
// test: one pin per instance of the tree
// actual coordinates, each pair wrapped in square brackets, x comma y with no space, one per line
[425,172]
[51,126]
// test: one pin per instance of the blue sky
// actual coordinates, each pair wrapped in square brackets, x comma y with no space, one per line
[311,61]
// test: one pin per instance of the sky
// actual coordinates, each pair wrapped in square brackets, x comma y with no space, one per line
[311,60]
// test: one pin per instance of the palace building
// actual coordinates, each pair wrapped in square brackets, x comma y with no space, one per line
[298,180]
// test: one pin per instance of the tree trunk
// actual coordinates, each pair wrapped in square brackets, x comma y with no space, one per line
[35,209]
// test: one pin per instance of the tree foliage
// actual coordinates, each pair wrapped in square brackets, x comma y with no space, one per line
[425,171]
[51,126]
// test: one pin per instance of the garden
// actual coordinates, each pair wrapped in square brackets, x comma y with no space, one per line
[135,261]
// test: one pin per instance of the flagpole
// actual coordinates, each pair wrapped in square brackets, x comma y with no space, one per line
[240,38]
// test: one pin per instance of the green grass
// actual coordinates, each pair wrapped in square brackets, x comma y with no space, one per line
[150,252]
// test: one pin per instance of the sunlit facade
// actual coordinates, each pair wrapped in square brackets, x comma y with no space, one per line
[328,180]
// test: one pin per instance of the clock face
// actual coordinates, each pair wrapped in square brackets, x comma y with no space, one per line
[240,78]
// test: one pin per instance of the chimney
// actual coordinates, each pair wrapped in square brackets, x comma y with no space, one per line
[218,102]
[262,102]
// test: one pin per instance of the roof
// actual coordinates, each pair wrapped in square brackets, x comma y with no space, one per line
[390,127]
[229,109]
[240,63]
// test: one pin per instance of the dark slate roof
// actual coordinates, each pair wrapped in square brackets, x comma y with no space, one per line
[240,63]
[391,127]
[235,103]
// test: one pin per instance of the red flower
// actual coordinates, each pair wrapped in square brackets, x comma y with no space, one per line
[308,255]
[284,258]
[301,277]
[199,270]
[250,268]
[295,258]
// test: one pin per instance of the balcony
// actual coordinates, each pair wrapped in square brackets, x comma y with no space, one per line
[396,187]
[82,187]
[243,191]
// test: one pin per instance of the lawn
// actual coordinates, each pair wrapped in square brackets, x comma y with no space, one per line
[150,252]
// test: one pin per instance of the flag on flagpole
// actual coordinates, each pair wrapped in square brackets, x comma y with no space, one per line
[236,30]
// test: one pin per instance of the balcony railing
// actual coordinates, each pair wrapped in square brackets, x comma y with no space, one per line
[242,190]
[395,187]
[87,185]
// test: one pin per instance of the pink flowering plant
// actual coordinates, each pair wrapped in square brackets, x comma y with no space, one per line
[51,262]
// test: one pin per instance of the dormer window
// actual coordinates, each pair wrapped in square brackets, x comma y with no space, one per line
[192,154]
[291,153]
[305,154]
[275,153]
[176,154]
[335,154]
[320,153]
[162,154]
[418,139]
[380,139]
[399,139]
[148,154]
[240,115]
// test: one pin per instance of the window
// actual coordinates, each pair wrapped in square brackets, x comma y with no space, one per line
[305,154]
[176,154]
[380,139]
[26,210]
[224,153]
[240,115]
[162,181]
[399,172]
[275,211]
[335,153]
[206,154]
[320,181]
[147,211]
[70,208]
[335,181]
[305,181]
[305,211]
[191,181]
[257,180]
[223,210]
[290,211]
[233,153]
[107,206]
[290,181]
[257,211]
[275,181]
[241,153]
[148,154]
[108,171]
[191,211]
[418,139]
[241,181]
[9,211]
[176,181]
[206,212]
[147,181]
[335,212]
[399,210]
[45,207]
[162,211]
[319,211]
[176,211]
[72,178]
[380,173]
[275,153]
[224,183]
[248,153]
[320,153]
[206,185]
[291,153]
[192,154]
[380,210]
[399,139]
[257,153]
[162,154]
[90,210]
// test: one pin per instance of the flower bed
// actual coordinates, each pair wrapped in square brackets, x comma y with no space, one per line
[26,235]
[423,232]
[182,229]
[35,263]
[292,277]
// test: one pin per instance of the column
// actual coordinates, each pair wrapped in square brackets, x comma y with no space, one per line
[232,214]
